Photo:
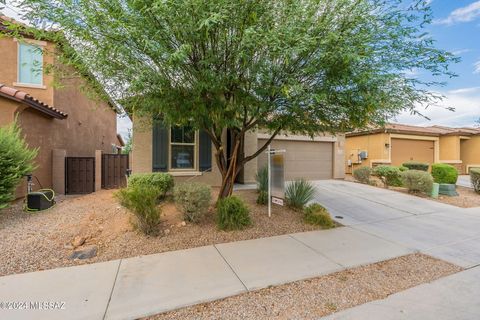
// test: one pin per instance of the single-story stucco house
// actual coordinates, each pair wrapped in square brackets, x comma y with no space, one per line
[189,155]
[398,143]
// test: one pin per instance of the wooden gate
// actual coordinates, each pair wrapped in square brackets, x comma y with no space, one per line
[79,175]
[114,169]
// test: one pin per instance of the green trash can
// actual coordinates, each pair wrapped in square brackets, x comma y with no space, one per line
[435,189]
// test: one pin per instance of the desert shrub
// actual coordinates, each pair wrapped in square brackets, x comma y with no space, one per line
[262,185]
[193,199]
[402,168]
[417,181]
[142,202]
[159,181]
[444,173]
[317,215]
[389,175]
[262,197]
[413,165]
[475,178]
[232,214]
[363,174]
[298,193]
[16,160]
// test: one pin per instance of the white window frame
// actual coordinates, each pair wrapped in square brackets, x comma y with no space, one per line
[195,145]
[41,45]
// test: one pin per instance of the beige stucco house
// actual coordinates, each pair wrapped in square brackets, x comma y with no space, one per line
[397,143]
[58,120]
[189,155]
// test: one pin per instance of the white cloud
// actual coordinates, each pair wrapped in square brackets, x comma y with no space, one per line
[464,14]
[461,51]
[466,102]
[124,124]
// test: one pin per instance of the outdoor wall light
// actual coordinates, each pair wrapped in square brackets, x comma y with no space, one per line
[387,145]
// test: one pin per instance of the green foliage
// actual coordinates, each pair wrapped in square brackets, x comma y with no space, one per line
[402,168]
[262,179]
[193,198]
[317,215]
[16,160]
[128,144]
[142,202]
[363,174]
[389,175]
[298,193]
[232,214]
[262,197]
[475,179]
[413,165]
[160,182]
[304,67]
[444,173]
[417,181]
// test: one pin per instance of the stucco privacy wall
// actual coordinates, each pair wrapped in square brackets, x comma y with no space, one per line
[470,153]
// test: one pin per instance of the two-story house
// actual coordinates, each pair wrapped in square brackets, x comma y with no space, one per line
[60,120]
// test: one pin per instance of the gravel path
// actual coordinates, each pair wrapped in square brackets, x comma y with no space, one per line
[311,299]
[38,241]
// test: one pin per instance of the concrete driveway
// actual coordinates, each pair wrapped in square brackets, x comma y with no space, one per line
[434,228]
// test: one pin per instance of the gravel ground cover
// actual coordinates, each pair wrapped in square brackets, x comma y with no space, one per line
[46,240]
[467,198]
[314,298]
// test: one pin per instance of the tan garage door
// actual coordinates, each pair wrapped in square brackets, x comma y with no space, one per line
[303,159]
[404,150]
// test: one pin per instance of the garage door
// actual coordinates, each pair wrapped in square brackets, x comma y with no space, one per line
[303,159]
[404,150]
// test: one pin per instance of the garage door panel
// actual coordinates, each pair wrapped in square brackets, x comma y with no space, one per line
[404,150]
[304,159]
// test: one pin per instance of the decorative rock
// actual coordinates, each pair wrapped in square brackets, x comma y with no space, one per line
[166,231]
[78,241]
[183,224]
[86,253]
[68,246]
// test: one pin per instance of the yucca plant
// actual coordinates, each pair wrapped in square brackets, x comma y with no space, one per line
[262,185]
[298,193]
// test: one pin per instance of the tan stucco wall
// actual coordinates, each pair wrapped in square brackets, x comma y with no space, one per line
[449,148]
[374,144]
[470,153]
[9,69]
[8,109]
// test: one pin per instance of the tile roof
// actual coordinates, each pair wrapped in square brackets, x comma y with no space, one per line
[434,131]
[25,98]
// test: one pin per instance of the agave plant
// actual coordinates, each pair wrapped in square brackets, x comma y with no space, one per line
[298,193]
[262,179]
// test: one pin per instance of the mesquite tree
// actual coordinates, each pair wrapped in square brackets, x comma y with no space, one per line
[294,66]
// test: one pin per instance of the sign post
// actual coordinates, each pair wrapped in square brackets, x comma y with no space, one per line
[276,178]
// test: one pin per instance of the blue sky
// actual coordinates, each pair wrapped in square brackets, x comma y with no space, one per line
[456,28]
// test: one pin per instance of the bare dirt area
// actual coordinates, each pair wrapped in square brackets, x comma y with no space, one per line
[467,198]
[47,239]
[314,298]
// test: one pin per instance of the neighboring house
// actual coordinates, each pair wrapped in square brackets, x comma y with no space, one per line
[190,155]
[396,144]
[59,121]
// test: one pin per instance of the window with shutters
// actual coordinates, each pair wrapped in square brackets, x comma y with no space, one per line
[30,64]
[183,148]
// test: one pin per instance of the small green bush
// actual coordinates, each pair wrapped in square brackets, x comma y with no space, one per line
[232,214]
[417,181]
[193,199]
[444,173]
[159,181]
[142,202]
[262,197]
[298,193]
[402,168]
[389,175]
[413,165]
[363,174]
[16,160]
[316,214]
[475,178]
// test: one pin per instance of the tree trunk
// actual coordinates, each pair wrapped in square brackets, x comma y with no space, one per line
[230,172]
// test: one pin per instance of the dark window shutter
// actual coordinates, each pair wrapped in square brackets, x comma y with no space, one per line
[160,146]
[205,153]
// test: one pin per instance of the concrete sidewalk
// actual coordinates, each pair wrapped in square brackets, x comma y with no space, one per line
[146,285]
[464,181]
[453,297]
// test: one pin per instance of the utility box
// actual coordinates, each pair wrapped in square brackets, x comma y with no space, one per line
[362,155]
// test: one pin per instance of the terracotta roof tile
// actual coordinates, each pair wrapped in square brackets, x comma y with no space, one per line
[25,98]
[410,129]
